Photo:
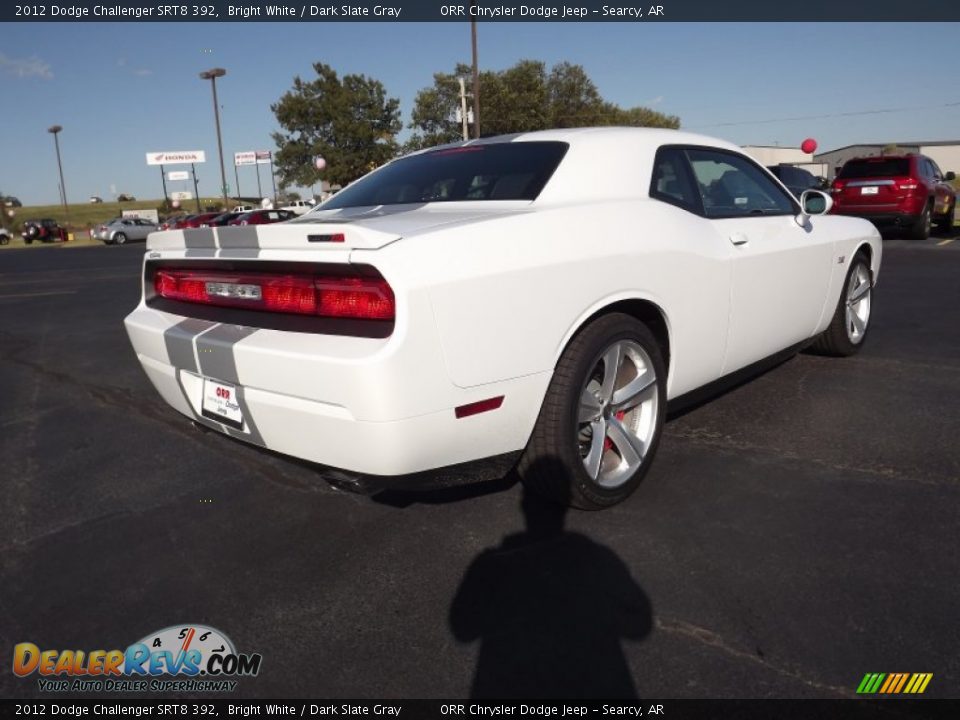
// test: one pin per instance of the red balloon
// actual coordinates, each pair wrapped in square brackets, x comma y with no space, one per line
[809,146]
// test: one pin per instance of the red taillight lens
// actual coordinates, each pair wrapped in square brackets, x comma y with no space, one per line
[355,297]
[368,298]
[907,183]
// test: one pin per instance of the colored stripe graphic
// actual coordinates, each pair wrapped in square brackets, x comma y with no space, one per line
[903,680]
[894,683]
[891,679]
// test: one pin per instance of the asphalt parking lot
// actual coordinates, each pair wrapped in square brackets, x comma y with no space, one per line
[794,533]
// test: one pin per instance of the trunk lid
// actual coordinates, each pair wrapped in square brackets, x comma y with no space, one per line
[366,228]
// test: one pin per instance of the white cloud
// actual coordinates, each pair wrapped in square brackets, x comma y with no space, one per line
[25,67]
[656,101]
[142,72]
[121,62]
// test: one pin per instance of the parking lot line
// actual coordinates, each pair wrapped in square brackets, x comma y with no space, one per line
[37,294]
[946,242]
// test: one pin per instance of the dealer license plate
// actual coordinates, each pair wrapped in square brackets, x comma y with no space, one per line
[869,190]
[220,403]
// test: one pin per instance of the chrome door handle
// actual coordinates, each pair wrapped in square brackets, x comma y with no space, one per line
[738,239]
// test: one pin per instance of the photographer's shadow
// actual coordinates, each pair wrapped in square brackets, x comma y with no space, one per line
[550,609]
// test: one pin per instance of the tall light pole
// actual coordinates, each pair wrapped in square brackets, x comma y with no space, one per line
[212,76]
[476,80]
[53,130]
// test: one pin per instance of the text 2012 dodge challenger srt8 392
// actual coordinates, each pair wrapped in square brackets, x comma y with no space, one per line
[545,292]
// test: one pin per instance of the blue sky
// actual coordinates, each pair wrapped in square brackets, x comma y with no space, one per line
[121,90]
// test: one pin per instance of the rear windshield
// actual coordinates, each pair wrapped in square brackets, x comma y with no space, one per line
[875,167]
[495,171]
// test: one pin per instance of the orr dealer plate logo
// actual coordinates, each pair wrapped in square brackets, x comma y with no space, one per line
[179,658]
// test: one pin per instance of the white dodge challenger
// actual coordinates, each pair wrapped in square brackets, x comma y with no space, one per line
[541,295]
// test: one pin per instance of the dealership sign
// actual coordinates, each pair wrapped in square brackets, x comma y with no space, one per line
[173,158]
[252,157]
[178,175]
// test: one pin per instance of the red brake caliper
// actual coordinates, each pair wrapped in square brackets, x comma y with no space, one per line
[607,442]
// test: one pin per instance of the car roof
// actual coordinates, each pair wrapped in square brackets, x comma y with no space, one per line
[899,156]
[601,162]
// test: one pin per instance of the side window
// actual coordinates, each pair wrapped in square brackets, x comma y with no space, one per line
[935,169]
[732,186]
[671,181]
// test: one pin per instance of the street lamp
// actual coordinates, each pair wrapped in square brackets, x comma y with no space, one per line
[212,76]
[53,130]
[476,80]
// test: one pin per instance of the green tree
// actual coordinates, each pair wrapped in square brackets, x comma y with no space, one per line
[351,123]
[522,98]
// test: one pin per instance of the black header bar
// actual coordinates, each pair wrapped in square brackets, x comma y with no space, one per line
[573,11]
[65,707]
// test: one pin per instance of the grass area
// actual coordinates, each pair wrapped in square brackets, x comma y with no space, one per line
[83,216]
[79,218]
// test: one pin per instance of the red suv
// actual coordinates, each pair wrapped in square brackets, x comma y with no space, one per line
[900,191]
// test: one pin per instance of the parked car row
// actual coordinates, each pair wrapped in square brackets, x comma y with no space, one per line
[219,219]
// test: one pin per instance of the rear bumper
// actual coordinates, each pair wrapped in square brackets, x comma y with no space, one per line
[883,219]
[366,406]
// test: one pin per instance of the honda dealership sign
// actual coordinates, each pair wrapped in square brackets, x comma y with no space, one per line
[173,158]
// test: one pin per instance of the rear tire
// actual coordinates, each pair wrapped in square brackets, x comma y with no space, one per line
[945,221]
[119,239]
[921,228]
[602,417]
[851,320]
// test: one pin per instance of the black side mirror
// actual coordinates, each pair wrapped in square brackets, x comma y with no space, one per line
[950,176]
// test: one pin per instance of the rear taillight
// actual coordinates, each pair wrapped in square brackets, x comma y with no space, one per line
[907,183]
[837,187]
[368,298]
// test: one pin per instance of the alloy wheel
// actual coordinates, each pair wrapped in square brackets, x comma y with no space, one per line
[858,303]
[617,414]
